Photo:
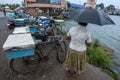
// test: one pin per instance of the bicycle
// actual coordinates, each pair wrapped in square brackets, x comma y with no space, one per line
[30,63]
[54,25]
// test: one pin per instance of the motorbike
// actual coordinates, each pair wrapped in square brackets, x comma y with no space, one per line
[11,24]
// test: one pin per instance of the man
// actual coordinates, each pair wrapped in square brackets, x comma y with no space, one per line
[4,12]
[11,14]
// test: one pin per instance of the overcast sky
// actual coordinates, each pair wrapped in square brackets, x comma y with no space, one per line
[10,1]
[116,3]
[106,3]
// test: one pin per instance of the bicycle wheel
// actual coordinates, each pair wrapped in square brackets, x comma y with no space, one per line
[25,64]
[61,51]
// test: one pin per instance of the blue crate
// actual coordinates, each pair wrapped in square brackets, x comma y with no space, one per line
[19,22]
[27,20]
[33,29]
[19,53]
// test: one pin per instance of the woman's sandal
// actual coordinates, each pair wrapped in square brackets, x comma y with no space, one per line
[75,74]
[68,73]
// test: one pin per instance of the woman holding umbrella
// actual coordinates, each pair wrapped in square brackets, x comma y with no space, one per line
[79,37]
[76,57]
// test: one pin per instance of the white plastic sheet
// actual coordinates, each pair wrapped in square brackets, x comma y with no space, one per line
[19,40]
[19,30]
[59,21]
[19,19]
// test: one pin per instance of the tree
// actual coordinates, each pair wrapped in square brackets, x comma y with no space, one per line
[111,7]
[101,6]
[68,4]
[97,5]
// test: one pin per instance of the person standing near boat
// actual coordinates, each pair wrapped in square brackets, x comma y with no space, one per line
[76,56]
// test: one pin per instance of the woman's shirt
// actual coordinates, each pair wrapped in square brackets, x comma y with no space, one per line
[78,35]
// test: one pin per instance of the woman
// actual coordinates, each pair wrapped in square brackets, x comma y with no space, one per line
[76,56]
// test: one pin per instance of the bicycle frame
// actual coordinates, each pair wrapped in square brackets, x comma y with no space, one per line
[56,43]
[30,63]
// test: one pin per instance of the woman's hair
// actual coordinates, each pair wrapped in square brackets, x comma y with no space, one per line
[83,24]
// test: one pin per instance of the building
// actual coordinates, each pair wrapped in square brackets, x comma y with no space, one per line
[45,5]
[90,3]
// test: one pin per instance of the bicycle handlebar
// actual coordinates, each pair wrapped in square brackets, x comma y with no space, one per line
[52,39]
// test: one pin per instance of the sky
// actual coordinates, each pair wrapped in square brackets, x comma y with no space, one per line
[11,1]
[116,3]
[106,3]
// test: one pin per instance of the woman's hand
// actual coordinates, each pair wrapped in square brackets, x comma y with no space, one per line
[67,37]
[88,44]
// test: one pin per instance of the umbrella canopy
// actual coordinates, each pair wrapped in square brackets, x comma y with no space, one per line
[90,15]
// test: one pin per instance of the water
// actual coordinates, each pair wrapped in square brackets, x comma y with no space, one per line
[108,35]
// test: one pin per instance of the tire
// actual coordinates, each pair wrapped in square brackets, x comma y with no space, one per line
[25,64]
[61,52]
[10,27]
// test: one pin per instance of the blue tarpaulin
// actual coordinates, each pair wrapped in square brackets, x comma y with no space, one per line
[76,5]
[55,1]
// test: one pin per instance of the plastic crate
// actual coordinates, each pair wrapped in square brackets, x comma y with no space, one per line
[26,20]
[19,53]
[33,29]
[19,22]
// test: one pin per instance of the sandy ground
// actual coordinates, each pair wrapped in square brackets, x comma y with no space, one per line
[50,70]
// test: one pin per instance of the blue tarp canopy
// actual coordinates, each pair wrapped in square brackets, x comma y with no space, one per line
[76,5]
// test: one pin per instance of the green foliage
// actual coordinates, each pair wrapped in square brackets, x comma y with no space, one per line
[11,5]
[97,5]
[96,43]
[101,6]
[112,73]
[62,32]
[68,4]
[97,56]
[110,7]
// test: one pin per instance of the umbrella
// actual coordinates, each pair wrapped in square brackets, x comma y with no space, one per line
[90,15]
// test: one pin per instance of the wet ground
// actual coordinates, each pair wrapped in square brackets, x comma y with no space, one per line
[50,70]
